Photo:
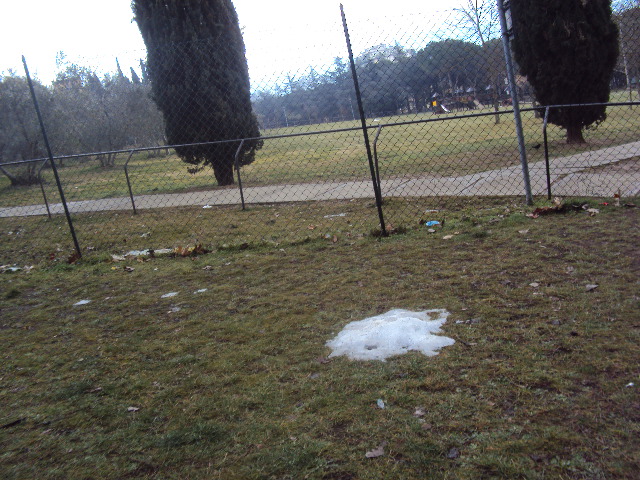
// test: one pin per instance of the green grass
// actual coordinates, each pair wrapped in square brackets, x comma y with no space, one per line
[456,147]
[233,383]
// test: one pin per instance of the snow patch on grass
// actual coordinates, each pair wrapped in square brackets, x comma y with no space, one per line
[393,333]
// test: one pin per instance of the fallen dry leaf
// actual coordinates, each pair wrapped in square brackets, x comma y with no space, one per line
[557,208]
[190,251]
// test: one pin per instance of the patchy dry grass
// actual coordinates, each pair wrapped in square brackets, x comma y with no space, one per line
[232,383]
[29,240]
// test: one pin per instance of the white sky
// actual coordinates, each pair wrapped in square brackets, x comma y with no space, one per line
[279,35]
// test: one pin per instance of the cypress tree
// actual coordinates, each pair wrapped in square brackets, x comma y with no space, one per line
[567,49]
[199,80]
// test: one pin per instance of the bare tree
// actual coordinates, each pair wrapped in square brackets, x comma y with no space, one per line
[626,14]
[479,18]
[20,136]
[479,21]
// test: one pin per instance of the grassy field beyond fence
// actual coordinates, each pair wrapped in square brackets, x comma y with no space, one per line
[444,148]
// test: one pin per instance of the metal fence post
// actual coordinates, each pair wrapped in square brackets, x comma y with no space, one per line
[363,120]
[546,151]
[53,163]
[503,8]
[126,174]
[44,195]
[375,156]
[237,165]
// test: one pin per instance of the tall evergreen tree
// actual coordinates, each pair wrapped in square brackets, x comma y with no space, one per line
[567,49]
[199,79]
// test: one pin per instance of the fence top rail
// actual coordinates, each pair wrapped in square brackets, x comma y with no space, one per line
[599,104]
[319,132]
[25,162]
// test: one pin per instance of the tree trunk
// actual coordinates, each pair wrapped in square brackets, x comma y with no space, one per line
[224,174]
[11,178]
[28,177]
[536,113]
[574,135]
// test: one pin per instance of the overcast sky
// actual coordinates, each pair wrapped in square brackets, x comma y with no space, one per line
[279,35]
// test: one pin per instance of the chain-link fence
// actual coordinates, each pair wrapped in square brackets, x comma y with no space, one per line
[438,116]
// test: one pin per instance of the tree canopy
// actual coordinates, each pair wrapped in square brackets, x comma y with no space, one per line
[567,49]
[200,81]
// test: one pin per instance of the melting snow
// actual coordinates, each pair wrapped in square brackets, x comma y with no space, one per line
[393,333]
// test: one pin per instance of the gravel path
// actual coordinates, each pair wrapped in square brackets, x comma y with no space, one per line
[585,174]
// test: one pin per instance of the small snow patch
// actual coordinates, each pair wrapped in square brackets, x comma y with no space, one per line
[9,269]
[169,295]
[393,333]
[202,290]
[81,302]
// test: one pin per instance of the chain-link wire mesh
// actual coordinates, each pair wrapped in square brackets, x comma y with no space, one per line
[439,118]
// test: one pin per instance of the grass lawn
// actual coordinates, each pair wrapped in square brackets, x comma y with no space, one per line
[234,382]
[445,148]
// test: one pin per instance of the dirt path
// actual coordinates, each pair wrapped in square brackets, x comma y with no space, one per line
[594,173]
